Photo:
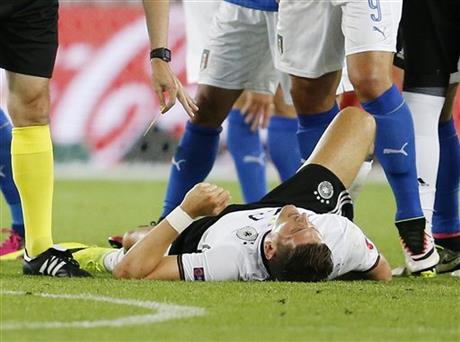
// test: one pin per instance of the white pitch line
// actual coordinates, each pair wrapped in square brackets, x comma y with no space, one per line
[163,312]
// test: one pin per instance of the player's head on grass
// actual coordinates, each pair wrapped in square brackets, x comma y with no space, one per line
[294,249]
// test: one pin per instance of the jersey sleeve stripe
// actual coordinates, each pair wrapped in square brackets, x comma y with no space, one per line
[181,267]
[374,265]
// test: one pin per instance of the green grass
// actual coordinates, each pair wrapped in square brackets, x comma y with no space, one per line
[89,211]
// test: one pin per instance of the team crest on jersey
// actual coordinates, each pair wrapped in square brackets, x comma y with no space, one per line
[247,233]
[280,44]
[204,59]
[198,274]
[325,190]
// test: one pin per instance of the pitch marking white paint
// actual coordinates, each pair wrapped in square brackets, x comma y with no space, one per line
[162,312]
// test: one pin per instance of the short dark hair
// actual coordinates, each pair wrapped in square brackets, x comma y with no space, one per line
[309,262]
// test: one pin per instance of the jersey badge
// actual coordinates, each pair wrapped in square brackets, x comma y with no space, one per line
[324,192]
[204,59]
[198,273]
[280,44]
[247,233]
[369,244]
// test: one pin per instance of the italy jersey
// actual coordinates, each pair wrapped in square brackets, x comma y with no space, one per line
[262,5]
[232,247]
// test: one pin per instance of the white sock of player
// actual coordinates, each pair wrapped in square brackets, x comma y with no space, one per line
[425,114]
[112,259]
[357,186]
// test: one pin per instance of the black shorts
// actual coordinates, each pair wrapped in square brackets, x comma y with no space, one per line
[29,36]
[429,42]
[313,188]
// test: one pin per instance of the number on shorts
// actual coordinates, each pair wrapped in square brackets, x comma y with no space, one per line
[375,5]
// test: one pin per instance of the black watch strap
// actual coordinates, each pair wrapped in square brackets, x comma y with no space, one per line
[161,53]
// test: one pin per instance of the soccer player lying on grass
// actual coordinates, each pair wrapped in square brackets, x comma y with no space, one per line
[300,231]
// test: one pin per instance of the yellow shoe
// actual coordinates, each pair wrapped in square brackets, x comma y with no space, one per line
[92,258]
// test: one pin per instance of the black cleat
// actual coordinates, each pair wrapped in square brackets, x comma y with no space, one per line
[54,262]
[449,260]
[418,245]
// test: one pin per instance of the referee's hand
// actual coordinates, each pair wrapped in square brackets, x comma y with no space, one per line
[168,88]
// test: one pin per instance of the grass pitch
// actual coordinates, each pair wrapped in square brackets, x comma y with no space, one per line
[104,309]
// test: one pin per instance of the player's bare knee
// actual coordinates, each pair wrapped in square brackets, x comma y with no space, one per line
[371,86]
[30,109]
[209,114]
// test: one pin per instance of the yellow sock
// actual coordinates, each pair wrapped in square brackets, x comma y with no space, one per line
[32,164]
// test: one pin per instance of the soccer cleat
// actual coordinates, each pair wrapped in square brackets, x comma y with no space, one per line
[54,262]
[404,272]
[116,241]
[12,244]
[419,249]
[92,258]
[449,260]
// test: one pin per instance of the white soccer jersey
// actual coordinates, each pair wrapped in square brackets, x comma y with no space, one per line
[231,249]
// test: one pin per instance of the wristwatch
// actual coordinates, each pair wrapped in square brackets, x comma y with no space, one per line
[161,53]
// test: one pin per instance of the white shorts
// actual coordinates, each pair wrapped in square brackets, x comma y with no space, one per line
[315,36]
[198,16]
[240,50]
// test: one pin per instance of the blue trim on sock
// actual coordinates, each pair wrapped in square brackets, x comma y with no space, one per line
[248,154]
[387,103]
[326,117]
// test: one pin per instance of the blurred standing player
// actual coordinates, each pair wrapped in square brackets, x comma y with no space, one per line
[250,110]
[28,46]
[429,53]
[15,239]
[365,33]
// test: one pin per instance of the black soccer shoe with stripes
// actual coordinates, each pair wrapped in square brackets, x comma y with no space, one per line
[418,245]
[54,262]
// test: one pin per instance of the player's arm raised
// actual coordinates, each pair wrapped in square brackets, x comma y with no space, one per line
[146,259]
[165,83]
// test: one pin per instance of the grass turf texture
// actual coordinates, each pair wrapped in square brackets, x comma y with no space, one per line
[89,211]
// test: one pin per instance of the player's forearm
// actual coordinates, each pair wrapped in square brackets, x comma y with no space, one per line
[157,17]
[381,272]
[142,259]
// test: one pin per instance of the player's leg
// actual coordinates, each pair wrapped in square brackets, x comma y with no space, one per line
[446,223]
[320,185]
[342,148]
[281,139]
[198,15]
[246,149]
[314,58]
[369,51]
[427,42]
[15,240]
[231,61]
[28,50]
[197,150]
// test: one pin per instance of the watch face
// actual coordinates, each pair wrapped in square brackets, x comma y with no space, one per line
[167,55]
[162,53]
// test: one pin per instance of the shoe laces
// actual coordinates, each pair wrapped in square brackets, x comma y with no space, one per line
[67,257]
[14,241]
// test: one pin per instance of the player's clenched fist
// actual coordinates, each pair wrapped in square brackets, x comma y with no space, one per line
[205,199]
